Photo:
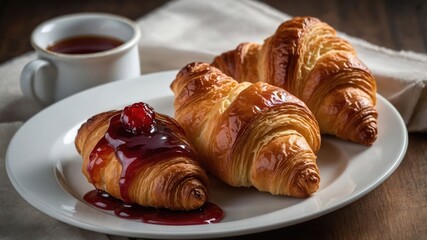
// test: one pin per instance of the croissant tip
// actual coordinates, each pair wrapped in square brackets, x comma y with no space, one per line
[313,183]
[368,135]
[198,197]
[199,194]
[308,183]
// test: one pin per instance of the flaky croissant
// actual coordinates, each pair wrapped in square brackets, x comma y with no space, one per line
[248,134]
[162,173]
[307,58]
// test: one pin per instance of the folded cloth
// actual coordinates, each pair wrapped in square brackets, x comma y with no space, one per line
[184,31]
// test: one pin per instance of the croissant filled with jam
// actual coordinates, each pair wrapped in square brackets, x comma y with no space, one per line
[142,157]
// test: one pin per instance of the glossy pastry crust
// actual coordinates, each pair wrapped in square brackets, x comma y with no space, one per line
[307,58]
[174,182]
[248,134]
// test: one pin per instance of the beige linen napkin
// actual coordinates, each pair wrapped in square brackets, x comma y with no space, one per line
[180,32]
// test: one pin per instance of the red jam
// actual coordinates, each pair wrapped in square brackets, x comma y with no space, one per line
[207,214]
[133,151]
[138,136]
[138,118]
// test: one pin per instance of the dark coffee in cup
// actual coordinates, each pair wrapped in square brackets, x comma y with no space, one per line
[84,44]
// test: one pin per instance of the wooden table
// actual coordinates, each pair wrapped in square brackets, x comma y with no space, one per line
[397,209]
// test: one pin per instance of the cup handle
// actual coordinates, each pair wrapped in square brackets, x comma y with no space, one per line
[38,81]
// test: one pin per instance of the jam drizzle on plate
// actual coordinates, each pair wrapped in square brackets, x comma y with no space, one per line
[207,214]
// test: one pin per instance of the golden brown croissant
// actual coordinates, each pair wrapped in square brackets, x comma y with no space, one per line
[307,58]
[248,134]
[150,164]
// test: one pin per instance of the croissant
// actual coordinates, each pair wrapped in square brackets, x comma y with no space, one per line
[151,164]
[248,134]
[307,58]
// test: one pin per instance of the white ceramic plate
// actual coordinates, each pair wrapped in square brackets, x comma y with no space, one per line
[44,167]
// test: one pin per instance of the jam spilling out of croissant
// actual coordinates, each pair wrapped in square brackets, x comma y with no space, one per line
[208,213]
[137,139]
[138,136]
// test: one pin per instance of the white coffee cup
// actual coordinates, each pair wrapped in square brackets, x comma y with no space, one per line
[54,76]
